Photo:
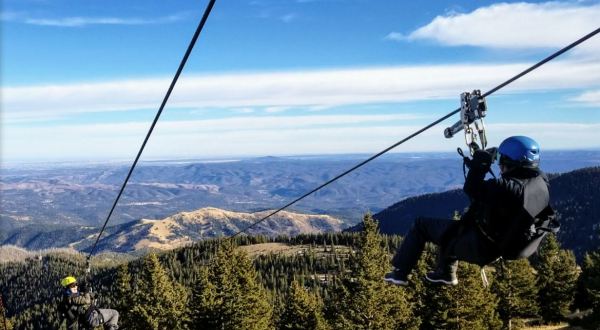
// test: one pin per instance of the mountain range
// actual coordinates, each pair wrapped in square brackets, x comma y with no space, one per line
[574,195]
[53,196]
[49,207]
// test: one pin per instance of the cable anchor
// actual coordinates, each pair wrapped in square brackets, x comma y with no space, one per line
[473,109]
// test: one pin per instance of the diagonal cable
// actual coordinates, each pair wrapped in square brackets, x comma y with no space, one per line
[488,93]
[160,110]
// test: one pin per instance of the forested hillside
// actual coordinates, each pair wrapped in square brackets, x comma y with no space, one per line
[574,195]
[324,281]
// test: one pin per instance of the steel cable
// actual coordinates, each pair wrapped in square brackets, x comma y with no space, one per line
[207,12]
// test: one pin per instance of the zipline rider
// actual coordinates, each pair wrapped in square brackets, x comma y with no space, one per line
[508,216]
[79,310]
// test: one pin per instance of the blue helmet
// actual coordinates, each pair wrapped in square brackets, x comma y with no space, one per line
[519,151]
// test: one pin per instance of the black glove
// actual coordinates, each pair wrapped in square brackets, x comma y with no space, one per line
[84,288]
[482,160]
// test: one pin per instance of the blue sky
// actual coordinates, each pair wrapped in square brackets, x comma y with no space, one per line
[82,80]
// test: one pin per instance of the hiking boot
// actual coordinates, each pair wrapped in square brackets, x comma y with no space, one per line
[396,277]
[448,278]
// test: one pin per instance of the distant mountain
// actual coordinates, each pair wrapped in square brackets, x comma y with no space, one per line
[52,196]
[574,195]
[175,231]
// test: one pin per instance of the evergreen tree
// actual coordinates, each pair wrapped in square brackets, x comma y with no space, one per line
[590,280]
[418,287]
[468,305]
[557,280]
[4,321]
[365,301]
[9,325]
[124,296]
[228,296]
[160,302]
[515,286]
[303,310]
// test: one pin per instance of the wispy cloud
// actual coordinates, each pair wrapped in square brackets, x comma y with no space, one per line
[80,21]
[590,98]
[512,26]
[395,36]
[317,89]
[269,136]
[288,18]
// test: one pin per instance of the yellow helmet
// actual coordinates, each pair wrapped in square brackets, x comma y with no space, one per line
[65,282]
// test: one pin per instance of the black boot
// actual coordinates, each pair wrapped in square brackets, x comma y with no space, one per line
[396,277]
[444,274]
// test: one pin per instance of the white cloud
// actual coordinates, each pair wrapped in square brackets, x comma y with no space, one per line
[514,26]
[276,109]
[590,98]
[395,36]
[85,21]
[311,89]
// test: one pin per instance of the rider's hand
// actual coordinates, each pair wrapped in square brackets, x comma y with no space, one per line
[482,160]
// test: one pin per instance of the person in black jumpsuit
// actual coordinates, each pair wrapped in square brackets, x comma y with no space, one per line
[499,222]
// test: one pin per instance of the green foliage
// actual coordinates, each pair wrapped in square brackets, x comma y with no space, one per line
[303,310]
[515,286]
[228,296]
[343,269]
[590,281]
[124,296]
[468,305]
[557,280]
[417,286]
[365,301]
[5,323]
[160,301]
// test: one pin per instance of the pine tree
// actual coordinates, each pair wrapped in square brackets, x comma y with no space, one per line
[590,279]
[303,310]
[4,321]
[515,286]
[124,295]
[365,301]
[227,294]
[557,280]
[9,325]
[418,288]
[468,305]
[160,302]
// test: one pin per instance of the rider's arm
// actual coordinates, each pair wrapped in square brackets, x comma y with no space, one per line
[84,299]
[475,186]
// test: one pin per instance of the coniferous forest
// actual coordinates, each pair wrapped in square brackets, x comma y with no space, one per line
[325,281]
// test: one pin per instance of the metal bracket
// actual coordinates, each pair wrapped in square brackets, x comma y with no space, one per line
[472,111]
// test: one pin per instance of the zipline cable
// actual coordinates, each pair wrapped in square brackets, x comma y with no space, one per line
[160,110]
[490,92]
